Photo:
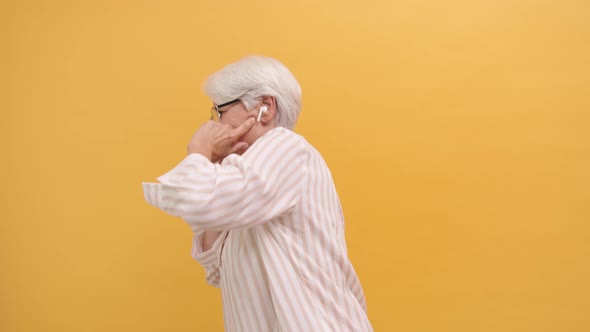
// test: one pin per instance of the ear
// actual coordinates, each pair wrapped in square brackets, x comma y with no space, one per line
[270,102]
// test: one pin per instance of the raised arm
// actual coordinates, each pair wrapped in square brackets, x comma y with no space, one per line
[242,191]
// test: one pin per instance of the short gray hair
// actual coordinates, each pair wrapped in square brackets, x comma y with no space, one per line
[253,77]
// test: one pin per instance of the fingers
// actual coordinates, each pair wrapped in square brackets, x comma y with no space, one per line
[244,127]
[239,148]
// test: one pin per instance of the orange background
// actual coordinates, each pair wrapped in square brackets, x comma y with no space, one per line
[458,134]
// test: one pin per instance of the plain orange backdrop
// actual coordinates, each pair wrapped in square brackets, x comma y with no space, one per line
[457,132]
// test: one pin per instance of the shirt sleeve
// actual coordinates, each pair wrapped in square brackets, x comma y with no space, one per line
[209,259]
[242,191]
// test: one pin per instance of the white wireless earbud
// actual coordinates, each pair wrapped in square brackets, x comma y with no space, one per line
[263,109]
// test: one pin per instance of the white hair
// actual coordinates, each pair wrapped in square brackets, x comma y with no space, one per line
[253,77]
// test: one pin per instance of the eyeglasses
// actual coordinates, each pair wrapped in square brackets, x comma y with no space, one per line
[216,113]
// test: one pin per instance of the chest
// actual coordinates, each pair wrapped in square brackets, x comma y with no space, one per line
[241,249]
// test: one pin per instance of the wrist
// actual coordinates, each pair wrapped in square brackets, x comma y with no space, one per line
[200,150]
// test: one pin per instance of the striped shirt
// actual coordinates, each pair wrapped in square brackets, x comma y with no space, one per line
[281,260]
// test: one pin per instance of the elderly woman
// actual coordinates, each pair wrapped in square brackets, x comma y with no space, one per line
[261,201]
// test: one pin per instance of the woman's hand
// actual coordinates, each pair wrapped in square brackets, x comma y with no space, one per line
[217,141]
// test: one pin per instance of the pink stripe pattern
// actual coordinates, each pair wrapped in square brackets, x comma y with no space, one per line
[281,260]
